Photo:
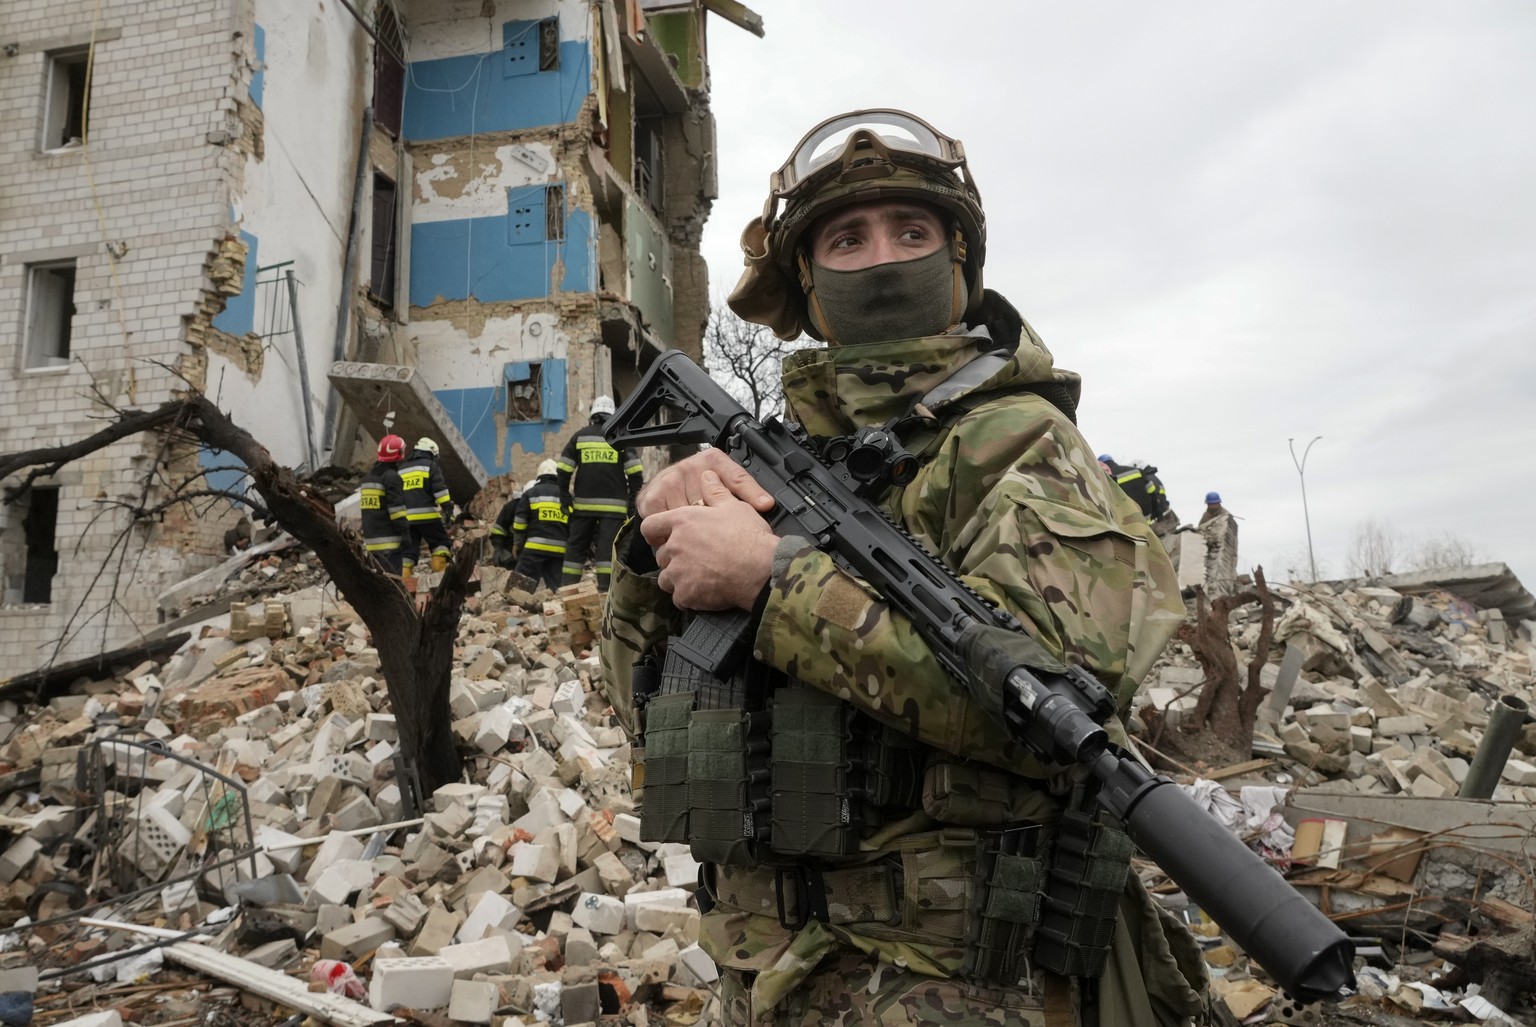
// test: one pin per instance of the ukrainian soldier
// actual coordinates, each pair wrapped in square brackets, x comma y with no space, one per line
[381,499]
[601,484]
[428,505]
[932,893]
[539,527]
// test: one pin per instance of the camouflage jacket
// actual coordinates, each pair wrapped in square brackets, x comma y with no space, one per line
[1013,499]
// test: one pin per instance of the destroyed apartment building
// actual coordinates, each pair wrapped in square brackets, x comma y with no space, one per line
[463,220]
[225,825]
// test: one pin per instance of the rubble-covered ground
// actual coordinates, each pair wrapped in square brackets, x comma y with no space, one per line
[225,835]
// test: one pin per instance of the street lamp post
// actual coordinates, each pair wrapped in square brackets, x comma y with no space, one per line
[1301,472]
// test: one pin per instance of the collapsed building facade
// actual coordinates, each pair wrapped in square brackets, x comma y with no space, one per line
[459,219]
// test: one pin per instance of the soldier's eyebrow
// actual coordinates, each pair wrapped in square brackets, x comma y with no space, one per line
[862,219]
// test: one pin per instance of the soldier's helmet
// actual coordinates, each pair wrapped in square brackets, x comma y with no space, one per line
[391,449]
[865,155]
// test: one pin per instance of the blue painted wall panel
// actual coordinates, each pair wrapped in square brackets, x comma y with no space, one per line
[239,314]
[460,96]
[232,480]
[455,260]
[259,78]
[475,412]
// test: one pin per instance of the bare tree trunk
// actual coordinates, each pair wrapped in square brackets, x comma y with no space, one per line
[1211,640]
[415,651]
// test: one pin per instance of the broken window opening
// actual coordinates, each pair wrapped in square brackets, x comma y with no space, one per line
[388,71]
[648,163]
[525,398]
[386,224]
[50,311]
[549,44]
[554,213]
[29,545]
[64,112]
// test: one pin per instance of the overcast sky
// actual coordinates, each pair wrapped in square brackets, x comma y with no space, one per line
[1240,222]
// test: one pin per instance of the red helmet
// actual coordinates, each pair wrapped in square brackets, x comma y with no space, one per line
[391,449]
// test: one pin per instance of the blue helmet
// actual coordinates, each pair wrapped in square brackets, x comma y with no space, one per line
[1213,497]
[1105,458]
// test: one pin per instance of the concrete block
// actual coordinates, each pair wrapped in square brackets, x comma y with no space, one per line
[1520,773]
[18,857]
[357,813]
[580,1003]
[1408,724]
[676,897]
[420,983]
[352,942]
[1426,787]
[535,862]
[665,919]
[628,826]
[580,947]
[456,793]
[698,965]
[490,912]
[405,913]
[474,1001]
[600,914]
[334,849]
[381,727]
[682,871]
[340,881]
[1360,739]
[436,931]
[492,955]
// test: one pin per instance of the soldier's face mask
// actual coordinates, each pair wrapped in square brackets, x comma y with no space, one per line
[906,299]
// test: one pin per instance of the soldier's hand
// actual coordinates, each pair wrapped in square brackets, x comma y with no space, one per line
[714,554]
[682,485]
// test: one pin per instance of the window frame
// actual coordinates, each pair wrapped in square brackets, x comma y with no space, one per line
[58,113]
[31,357]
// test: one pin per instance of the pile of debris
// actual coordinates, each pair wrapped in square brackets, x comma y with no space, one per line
[234,827]
[251,785]
[1365,761]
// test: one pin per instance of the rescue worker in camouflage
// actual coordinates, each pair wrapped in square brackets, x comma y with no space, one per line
[600,484]
[428,505]
[381,503]
[539,527]
[873,241]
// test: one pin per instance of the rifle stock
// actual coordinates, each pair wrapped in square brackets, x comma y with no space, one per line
[1058,716]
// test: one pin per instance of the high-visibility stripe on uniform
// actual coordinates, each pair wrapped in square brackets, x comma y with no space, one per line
[600,507]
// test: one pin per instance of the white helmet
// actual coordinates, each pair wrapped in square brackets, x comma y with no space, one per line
[427,444]
[602,405]
[548,467]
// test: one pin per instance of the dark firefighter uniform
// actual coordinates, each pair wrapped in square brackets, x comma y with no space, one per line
[539,530]
[386,533]
[1144,487]
[426,505]
[606,482]
[501,534]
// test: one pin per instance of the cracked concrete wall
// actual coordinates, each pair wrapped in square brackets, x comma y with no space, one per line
[139,210]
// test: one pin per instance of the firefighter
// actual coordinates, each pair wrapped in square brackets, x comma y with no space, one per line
[539,527]
[427,503]
[386,532]
[606,482]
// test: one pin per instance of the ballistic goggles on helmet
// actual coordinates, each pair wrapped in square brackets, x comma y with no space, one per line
[863,145]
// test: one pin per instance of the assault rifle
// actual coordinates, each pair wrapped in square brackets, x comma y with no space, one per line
[1058,716]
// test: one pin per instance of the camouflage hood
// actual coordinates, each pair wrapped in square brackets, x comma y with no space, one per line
[835,390]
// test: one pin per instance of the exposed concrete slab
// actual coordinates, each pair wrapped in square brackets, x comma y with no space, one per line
[1486,585]
[1492,826]
[372,390]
